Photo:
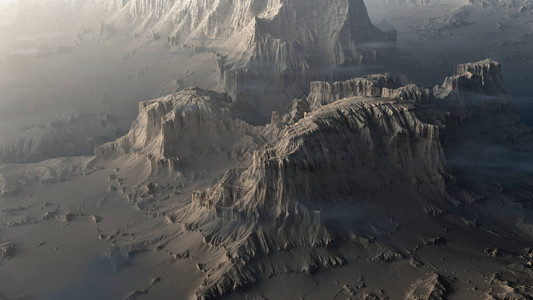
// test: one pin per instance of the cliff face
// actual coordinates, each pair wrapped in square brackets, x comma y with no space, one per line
[322,93]
[483,77]
[73,135]
[262,52]
[275,209]
[272,47]
[337,155]
[501,3]
[183,125]
[340,31]
[480,108]
[396,3]
[356,145]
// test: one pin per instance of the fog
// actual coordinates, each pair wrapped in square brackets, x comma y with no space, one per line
[73,75]
[59,59]
[430,44]
[60,65]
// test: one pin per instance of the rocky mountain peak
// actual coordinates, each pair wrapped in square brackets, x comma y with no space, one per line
[322,93]
[265,47]
[486,74]
[178,126]
[482,77]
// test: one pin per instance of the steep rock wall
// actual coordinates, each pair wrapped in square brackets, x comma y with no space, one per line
[479,106]
[272,47]
[336,155]
[322,93]
[276,212]
[182,125]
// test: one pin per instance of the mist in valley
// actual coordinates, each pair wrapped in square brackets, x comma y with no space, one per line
[187,149]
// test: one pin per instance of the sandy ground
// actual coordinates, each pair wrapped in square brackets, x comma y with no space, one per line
[59,252]
[80,239]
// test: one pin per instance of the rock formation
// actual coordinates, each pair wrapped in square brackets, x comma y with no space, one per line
[396,3]
[266,47]
[185,125]
[428,288]
[375,175]
[73,135]
[263,53]
[354,146]
[6,250]
[501,3]
[322,93]
[345,143]
[481,108]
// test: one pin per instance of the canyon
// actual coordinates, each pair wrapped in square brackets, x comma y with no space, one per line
[247,150]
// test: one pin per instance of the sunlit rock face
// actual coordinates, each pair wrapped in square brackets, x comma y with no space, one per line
[344,143]
[67,136]
[483,77]
[322,93]
[179,126]
[408,2]
[350,140]
[263,53]
[272,47]
[501,3]
[265,200]
[336,155]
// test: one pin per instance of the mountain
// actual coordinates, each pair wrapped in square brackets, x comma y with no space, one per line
[368,187]
[180,126]
[265,47]
[501,3]
[72,135]
[476,3]
[305,192]
[262,53]
[408,2]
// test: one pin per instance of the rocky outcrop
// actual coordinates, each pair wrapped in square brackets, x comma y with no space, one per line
[302,165]
[351,149]
[398,3]
[339,32]
[372,132]
[366,135]
[266,47]
[501,3]
[277,210]
[74,135]
[430,288]
[480,107]
[187,124]
[322,93]
[483,77]
[299,109]
[7,250]
[409,92]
